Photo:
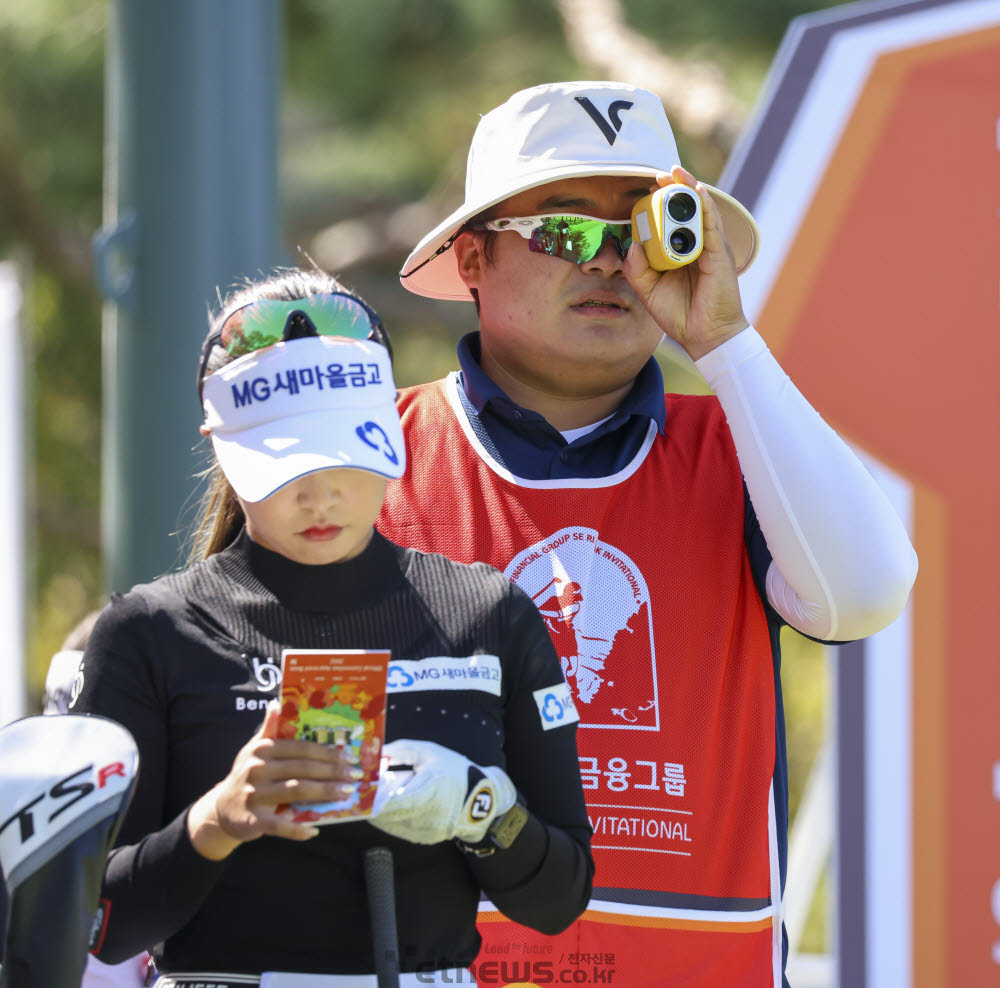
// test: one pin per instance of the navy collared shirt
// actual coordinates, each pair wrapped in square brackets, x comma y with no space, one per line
[530,447]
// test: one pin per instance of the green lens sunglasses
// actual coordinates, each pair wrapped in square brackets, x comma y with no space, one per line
[573,238]
[268,321]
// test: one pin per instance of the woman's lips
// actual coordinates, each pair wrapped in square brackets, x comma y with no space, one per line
[321,533]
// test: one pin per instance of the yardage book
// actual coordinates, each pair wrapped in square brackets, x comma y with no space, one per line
[336,697]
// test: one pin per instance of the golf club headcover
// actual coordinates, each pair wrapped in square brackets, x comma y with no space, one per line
[428,793]
[65,784]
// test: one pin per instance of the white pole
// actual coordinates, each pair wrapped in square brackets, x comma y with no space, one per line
[12,506]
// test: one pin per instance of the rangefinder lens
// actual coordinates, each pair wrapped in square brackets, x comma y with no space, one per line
[681,207]
[682,241]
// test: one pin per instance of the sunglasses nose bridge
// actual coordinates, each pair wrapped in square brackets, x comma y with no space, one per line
[621,242]
[299,326]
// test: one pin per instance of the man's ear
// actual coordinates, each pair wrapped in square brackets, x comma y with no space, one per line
[470,259]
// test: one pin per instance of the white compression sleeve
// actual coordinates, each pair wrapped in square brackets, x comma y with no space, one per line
[842,564]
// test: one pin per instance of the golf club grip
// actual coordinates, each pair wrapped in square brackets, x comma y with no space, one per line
[382,915]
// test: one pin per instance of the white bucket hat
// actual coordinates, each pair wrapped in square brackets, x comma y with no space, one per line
[300,406]
[561,130]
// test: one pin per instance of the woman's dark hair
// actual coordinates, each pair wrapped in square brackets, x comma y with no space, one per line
[220,516]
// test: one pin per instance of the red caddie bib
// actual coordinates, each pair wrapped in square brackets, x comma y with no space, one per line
[644,583]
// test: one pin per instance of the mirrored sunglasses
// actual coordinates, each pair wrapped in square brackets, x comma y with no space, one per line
[267,321]
[573,238]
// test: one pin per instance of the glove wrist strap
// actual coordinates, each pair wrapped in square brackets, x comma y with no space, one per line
[503,831]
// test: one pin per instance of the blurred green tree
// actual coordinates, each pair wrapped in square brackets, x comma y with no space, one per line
[51,82]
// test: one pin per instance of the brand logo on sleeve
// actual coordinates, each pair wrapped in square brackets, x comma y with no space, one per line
[555,706]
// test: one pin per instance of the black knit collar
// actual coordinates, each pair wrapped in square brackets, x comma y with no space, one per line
[334,588]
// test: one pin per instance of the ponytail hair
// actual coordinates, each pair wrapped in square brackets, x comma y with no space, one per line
[220,517]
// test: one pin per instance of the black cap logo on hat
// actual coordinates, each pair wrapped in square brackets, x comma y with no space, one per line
[614,115]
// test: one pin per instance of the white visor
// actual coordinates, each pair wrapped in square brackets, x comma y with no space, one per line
[301,406]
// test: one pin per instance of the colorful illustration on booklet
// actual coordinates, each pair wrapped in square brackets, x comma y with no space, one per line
[336,697]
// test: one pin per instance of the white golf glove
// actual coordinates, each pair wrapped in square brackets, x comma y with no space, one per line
[428,793]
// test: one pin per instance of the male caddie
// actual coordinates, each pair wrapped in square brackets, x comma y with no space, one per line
[665,540]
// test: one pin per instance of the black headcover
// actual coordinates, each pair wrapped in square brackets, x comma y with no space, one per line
[65,784]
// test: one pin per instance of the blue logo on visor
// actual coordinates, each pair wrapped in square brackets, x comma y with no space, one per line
[380,442]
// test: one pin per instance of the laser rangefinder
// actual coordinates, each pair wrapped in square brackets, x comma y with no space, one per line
[668,225]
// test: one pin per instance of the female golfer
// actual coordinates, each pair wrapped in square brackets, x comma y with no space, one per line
[480,789]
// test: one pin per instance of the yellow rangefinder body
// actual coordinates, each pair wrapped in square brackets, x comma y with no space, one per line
[668,225]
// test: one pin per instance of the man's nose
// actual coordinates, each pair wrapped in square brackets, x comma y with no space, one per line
[609,259]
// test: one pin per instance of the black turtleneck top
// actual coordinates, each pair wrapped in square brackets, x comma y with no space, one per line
[188,663]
